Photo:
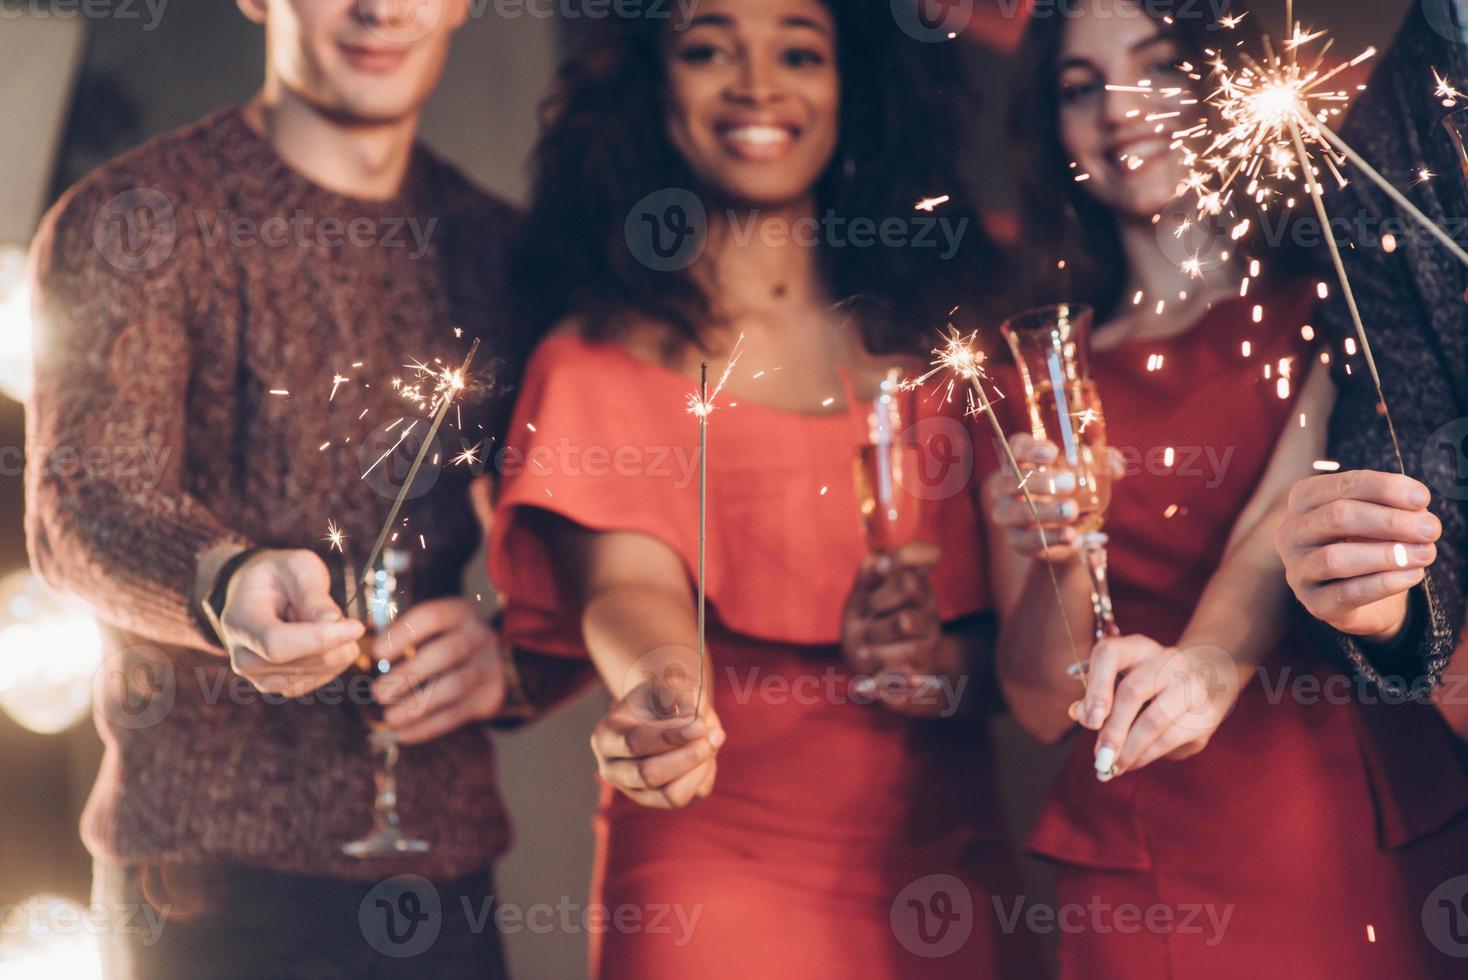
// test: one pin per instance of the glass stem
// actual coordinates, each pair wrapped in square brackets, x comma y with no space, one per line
[1093,551]
[385,776]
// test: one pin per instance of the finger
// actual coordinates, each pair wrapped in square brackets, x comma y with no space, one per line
[1330,600]
[1132,694]
[306,582]
[1391,490]
[433,725]
[1343,519]
[651,740]
[904,589]
[1109,659]
[287,643]
[1350,559]
[440,657]
[1052,512]
[1177,742]
[657,771]
[1054,542]
[1160,715]
[921,556]
[418,698]
[1116,462]
[684,790]
[419,624]
[905,624]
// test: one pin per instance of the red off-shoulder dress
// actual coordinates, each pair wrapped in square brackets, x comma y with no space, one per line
[841,839]
[1306,840]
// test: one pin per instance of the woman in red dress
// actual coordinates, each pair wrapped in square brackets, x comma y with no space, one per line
[833,831]
[1232,815]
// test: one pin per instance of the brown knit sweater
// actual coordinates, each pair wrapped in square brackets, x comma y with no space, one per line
[176,289]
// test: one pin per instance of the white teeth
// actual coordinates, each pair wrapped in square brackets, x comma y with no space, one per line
[759,135]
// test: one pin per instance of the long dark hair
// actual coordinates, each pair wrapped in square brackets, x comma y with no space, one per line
[604,148]
[1070,243]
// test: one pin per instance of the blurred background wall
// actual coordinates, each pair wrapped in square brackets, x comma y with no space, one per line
[139,76]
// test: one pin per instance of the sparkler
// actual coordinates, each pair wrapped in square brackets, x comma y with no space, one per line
[963,363]
[447,385]
[701,405]
[1273,113]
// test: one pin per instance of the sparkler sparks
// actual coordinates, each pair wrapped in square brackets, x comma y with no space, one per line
[334,536]
[1445,91]
[929,203]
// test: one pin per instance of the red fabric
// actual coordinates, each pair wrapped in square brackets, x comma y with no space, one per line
[1275,823]
[825,810]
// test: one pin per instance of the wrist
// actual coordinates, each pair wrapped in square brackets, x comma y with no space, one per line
[217,567]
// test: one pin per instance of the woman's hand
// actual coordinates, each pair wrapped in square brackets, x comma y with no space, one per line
[1150,702]
[892,633]
[1051,484]
[653,746]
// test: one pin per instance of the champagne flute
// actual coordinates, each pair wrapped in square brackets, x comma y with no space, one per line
[376,603]
[1050,349]
[887,460]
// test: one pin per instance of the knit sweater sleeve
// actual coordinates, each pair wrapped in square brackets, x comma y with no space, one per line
[1408,300]
[109,515]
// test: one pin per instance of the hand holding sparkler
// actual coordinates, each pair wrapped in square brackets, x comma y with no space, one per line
[287,653]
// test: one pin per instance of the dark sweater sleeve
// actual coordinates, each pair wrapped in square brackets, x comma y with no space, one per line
[1409,299]
[108,512]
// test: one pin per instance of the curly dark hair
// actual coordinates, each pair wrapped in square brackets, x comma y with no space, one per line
[1059,220]
[604,148]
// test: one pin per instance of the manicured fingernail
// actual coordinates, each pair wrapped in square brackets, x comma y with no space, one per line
[1421,552]
[1069,509]
[1105,759]
[717,737]
[1105,776]
[1064,482]
[1077,669]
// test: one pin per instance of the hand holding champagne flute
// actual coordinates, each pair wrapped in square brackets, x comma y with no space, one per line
[1066,465]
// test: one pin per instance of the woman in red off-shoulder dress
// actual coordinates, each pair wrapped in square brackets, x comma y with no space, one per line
[695,187]
[1231,805]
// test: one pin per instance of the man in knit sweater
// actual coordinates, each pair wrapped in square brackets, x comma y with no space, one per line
[1348,533]
[234,300]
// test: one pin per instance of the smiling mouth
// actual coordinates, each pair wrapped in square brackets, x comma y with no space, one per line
[376,60]
[758,141]
[1131,157]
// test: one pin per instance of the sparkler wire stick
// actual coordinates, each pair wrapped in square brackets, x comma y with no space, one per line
[392,515]
[958,356]
[1318,197]
[703,486]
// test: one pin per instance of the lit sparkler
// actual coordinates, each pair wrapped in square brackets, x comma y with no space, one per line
[334,536]
[447,386]
[701,405]
[963,364]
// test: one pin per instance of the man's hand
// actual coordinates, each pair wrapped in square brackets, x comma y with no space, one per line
[283,631]
[1354,545]
[652,747]
[446,670]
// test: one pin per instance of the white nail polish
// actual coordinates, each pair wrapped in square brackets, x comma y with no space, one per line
[1064,482]
[1105,759]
